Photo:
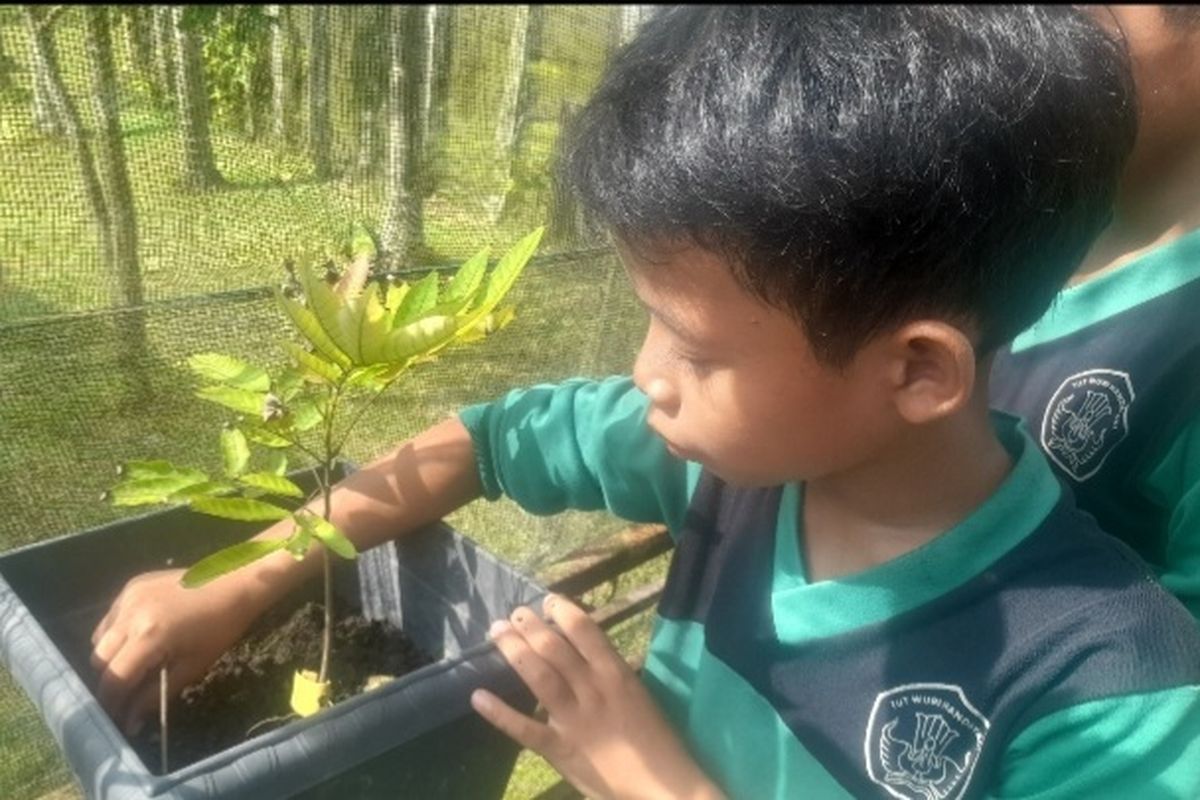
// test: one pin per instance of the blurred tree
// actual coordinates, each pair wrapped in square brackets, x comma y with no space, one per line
[369,83]
[163,25]
[402,234]
[122,229]
[279,128]
[199,168]
[44,70]
[139,26]
[319,63]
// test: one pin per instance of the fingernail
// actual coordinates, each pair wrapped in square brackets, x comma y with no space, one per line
[480,700]
[498,627]
[549,602]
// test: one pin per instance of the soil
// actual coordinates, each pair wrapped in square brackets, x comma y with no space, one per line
[247,692]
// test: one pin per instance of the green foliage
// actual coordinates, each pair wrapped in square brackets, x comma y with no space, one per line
[357,340]
[235,37]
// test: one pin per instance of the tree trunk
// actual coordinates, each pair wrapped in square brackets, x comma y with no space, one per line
[42,45]
[199,167]
[43,57]
[402,232]
[163,23]
[441,70]
[122,216]
[526,104]
[506,109]
[278,80]
[369,83]
[318,94]
[139,21]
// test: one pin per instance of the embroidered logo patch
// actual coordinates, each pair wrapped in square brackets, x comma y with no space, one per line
[923,741]
[1085,419]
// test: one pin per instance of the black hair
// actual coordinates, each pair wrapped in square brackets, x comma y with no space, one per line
[860,166]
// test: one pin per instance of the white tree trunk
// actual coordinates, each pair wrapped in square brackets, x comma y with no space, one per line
[278,79]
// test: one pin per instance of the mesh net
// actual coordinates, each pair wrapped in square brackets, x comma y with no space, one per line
[158,164]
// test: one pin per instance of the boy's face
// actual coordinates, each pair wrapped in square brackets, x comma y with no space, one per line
[734,385]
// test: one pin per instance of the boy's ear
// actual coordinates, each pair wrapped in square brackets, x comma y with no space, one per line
[931,370]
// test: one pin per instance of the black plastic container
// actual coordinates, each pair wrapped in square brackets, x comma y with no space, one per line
[416,736]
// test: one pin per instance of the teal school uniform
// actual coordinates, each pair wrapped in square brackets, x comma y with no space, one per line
[1021,654]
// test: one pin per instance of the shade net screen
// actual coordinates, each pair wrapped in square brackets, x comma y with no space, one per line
[158,164]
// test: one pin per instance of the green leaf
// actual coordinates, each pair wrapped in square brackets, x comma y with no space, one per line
[314,364]
[147,491]
[305,414]
[132,470]
[272,484]
[229,371]
[299,542]
[276,463]
[509,269]
[420,338]
[468,279]
[308,325]
[369,377]
[373,328]
[235,452]
[419,300]
[240,508]
[241,400]
[329,535]
[289,382]
[212,488]
[232,558]
[489,324]
[266,438]
[332,312]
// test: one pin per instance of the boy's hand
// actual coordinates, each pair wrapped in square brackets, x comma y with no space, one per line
[603,732]
[155,621]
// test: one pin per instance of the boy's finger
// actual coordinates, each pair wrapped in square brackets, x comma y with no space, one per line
[121,677]
[105,648]
[538,674]
[581,631]
[525,731]
[103,626]
[549,644]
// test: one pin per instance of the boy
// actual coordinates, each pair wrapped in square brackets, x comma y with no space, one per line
[1109,379]
[879,590]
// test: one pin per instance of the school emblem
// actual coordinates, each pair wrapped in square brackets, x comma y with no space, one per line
[1085,419]
[923,741]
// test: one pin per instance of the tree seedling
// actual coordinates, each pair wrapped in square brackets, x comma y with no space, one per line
[361,333]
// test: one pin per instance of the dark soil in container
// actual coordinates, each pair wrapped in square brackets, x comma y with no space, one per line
[248,691]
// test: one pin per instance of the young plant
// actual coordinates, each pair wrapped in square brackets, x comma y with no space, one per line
[359,337]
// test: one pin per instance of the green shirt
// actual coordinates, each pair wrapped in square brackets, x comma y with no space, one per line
[585,445]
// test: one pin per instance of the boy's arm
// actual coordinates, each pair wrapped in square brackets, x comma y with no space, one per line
[1140,745]
[155,621]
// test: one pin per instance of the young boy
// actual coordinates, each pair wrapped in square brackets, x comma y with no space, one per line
[1109,379]
[879,589]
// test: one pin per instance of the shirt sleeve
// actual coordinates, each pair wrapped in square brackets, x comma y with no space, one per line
[1140,745]
[1175,484]
[580,445]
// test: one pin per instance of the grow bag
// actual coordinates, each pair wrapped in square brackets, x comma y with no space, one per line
[416,736]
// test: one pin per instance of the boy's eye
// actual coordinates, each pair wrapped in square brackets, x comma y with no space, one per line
[694,363]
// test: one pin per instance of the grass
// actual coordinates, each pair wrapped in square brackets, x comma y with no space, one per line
[72,406]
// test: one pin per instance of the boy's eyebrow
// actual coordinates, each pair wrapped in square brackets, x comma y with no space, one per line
[671,322]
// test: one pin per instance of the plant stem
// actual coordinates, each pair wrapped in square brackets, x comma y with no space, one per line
[326,561]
